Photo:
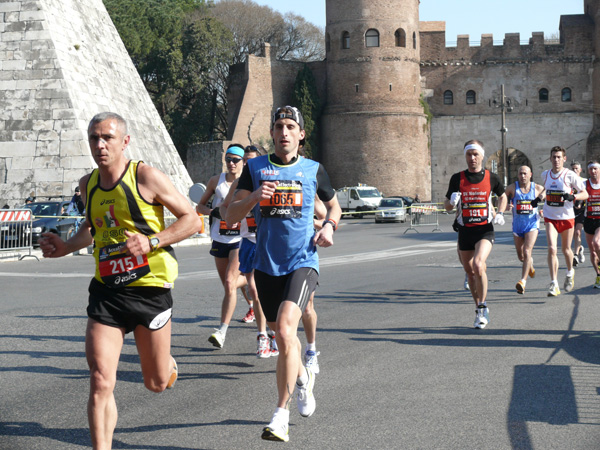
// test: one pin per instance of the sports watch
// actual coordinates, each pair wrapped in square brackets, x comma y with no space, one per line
[154,241]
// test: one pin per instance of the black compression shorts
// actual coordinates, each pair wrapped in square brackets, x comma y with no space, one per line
[129,307]
[469,236]
[591,225]
[296,287]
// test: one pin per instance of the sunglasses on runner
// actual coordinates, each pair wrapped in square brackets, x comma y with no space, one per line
[233,160]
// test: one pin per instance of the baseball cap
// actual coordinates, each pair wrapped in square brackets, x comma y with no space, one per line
[288,112]
[77,189]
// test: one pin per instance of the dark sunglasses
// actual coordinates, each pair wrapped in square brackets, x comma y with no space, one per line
[233,160]
[251,148]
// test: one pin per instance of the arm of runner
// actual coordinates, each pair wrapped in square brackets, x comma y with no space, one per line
[320,213]
[155,187]
[502,202]
[211,187]
[324,237]
[244,201]
[539,195]
[227,201]
[582,193]
[52,246]
[451,199]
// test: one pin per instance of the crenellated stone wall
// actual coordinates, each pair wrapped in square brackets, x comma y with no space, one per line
[61,62]
[534,124]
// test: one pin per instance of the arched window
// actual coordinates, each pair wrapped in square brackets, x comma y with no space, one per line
[400,37]
[448,98]
[372,38]
[471,98]
[327,43]
[543,95]
[566,95]
[414,40]
[345,40]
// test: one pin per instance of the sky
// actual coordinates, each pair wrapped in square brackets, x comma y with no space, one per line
[472,17]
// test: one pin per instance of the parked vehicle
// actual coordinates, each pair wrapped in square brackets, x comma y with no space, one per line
[54,220]
[359,199]
[391,210]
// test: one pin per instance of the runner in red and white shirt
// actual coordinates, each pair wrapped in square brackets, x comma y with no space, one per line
[562,187]
[591,224]
[470,191]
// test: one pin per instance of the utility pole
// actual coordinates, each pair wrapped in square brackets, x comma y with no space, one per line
[504,107]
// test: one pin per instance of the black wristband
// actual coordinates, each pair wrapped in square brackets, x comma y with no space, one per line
[331,222]
[215,213]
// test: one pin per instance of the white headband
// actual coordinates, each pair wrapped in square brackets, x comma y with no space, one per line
[477,147]
[596,165]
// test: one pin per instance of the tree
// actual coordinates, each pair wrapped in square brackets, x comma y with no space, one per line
[306,99]
[176,47]
[251,25]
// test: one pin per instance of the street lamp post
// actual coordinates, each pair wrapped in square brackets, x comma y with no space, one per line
[504,107]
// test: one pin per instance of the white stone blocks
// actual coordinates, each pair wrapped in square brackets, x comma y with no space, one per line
[21,149]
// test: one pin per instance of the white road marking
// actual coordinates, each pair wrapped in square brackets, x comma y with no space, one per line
[354,258]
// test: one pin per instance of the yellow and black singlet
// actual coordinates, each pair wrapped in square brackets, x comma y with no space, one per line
[111,212]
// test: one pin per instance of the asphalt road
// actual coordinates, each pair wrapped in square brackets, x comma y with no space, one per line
[401,365]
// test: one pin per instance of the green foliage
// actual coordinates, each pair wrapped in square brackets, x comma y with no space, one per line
[176,48]
[306,99]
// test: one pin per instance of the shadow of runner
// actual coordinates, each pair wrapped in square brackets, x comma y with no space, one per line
[541,393]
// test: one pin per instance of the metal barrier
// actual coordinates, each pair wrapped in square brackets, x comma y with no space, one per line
[15,232]
[423,215]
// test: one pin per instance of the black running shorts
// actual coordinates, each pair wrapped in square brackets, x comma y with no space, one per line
[296,287]
[469,236]
[591,225]
[129,307]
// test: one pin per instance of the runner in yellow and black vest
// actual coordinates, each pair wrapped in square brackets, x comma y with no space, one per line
[135,267]
[111,212]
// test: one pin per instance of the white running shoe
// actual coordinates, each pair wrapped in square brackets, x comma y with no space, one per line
[263,350]
[482,317]
[597,283]
[569,283]
[580,255]
[553,290]
[311,361]
[306,400]
[217,338]
[467,283]
[277,430]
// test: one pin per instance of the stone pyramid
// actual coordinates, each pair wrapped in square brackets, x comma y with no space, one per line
[61,62]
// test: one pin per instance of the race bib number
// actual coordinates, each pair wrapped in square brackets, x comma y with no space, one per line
[251,222]
[286,202]
[117,269]
[224,230]
[474,213]
[554,198]
[524,207]
[593,210]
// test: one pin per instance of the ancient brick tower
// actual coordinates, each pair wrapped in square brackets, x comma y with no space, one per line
[374,127]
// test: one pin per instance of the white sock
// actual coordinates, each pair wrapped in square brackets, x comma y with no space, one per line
[571,272]
[312,347]
[555,281]
[303,379]
[223,327]
[264,333]
[524,281]
[281,414]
